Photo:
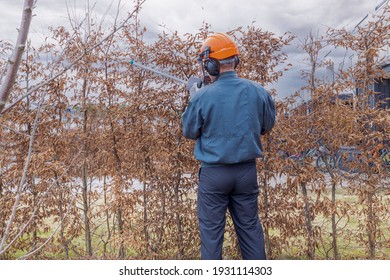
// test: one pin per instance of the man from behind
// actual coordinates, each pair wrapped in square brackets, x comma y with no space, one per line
[227,118]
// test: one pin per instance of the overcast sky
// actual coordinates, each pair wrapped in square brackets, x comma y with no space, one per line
[186,16]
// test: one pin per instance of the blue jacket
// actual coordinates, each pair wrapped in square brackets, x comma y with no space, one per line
[227,118]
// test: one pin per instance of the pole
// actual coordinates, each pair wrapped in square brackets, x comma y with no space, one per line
[132,62]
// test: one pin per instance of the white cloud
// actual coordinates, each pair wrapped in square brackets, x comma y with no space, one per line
[187,16]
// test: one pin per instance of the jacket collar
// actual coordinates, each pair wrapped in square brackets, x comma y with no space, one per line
[227,75]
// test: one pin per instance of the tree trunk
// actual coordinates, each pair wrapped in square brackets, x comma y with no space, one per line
[62,231]
[2,219]
[1,189]
[84,174]
[267,238]
[61,209]
[14,61]
[118,168]
[177,213]
[105,242]
[336,254]
[145,217]
[162,221]
[86,210]
[371,224]
[309,226]
[121,253]
[145,198]
[34,241]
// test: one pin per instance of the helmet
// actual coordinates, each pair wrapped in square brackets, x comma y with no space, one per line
[215,49]
[221,46]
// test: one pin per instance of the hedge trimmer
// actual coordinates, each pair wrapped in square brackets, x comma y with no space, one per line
[193,80]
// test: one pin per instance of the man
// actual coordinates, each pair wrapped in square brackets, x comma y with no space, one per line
[226,118]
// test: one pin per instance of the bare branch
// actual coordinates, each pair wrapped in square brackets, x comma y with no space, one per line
[15,131]
[24,176]
[21,231]
[14,61]
[50,237]
[32,90]
[43,245]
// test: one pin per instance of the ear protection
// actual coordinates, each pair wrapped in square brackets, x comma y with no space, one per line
[236,61]
[212,65]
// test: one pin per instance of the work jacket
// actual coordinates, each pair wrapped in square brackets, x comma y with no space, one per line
[227,118]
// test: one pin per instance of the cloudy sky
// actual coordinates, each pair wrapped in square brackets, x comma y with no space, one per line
[186,16]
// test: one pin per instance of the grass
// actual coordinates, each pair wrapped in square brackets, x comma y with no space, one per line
[347,240]
[348,244]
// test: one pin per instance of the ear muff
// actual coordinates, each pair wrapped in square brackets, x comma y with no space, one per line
[212,66]
[236,61]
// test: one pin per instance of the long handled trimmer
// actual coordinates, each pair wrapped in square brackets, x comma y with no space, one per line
[189,83]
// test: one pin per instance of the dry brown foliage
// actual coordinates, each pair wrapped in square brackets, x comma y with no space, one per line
[111,175]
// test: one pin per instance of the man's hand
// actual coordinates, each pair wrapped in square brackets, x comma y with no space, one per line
[193,85]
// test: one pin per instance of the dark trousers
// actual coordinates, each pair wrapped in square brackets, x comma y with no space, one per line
[232,187]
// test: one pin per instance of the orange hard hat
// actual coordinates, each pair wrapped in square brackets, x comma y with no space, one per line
[221,46]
